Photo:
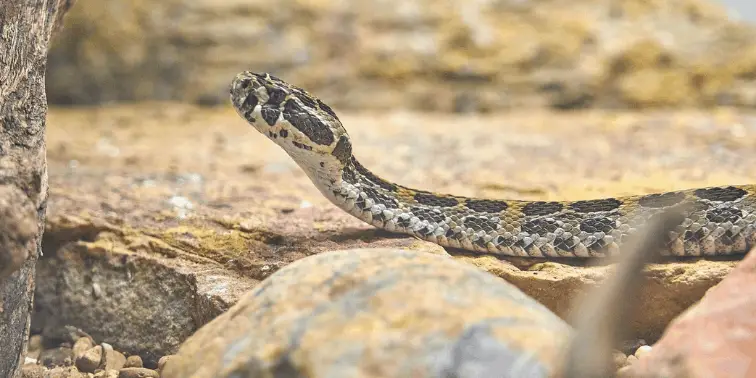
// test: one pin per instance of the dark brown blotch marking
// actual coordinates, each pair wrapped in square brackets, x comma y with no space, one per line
[310,126]
[539,226]
[598,224]
[724,214]
[541,208]
[371,177]
[302,146]
[276,96]
[594,225]
[506,242]
[402,222]
[250,101]
[726,193]
[284,133]
[486,206]
[659,200]
[306,99]
[594,206]
[428,214]
[326,109]
[343,150]
[696,236]
[480,223]
[270,115]
[431,199]
[426,231]
[380,198]
[566,244]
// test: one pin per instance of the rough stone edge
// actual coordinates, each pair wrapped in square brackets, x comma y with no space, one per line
[200,293]
[18,227]
[25,30]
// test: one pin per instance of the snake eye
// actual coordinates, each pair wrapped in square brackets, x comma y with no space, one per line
[245,83]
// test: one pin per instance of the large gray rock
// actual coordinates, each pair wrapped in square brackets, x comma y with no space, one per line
[377,313]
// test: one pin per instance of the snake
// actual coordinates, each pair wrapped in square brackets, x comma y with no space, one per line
[717,220]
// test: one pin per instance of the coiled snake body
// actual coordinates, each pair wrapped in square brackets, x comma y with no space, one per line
[718,220]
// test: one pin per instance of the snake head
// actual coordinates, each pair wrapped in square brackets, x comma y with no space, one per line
[305,127]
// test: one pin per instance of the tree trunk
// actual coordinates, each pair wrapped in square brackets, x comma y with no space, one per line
[25,31]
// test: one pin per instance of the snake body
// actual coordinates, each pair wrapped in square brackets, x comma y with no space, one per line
[717,220]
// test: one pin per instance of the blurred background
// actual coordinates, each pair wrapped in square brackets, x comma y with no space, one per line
[426,55]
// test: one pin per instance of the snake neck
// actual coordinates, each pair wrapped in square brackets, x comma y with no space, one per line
[387,205]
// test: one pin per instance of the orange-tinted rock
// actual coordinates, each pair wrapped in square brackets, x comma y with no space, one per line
[715,338]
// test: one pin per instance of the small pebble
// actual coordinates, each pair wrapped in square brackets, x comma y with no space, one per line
[138,372]
[106,374]
[623,372]
[133,362]
[82,345]
[162,361]
[642,351]
[619,359]
[90,360]
[111,358]
[32,371]
[65,372]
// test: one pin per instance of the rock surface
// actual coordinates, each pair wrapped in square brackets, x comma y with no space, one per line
[412,54]
[18,229]
[176,210]
[715,338]
[25,32]
[377,313]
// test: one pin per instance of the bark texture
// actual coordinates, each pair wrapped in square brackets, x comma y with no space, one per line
[25,31]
